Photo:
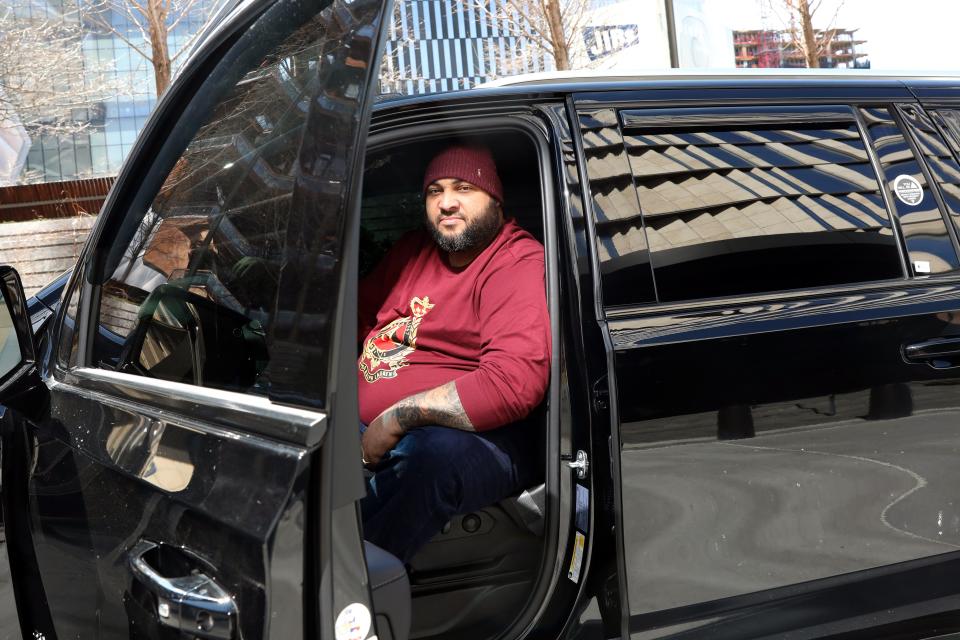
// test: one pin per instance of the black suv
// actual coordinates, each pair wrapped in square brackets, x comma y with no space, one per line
[752,424]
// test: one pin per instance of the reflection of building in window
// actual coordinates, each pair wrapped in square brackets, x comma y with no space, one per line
[715,197]
[718,185]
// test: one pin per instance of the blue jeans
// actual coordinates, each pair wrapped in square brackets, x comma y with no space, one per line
[435,473]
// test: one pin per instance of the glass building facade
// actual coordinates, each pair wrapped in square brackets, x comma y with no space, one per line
[114,121]
[447,45]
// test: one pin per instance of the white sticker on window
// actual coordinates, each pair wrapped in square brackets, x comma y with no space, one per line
[353,623]
[577,559]
[921,266]
[908,189]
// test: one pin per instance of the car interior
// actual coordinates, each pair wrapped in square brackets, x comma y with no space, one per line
[476,576]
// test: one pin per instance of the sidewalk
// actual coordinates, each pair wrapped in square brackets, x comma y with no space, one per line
[40,250]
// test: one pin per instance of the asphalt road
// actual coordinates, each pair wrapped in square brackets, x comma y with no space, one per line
[707,520]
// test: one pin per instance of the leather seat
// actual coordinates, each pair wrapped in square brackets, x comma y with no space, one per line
[390,589]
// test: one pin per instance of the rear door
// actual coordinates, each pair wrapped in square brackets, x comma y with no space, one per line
[183,476]
[779,284]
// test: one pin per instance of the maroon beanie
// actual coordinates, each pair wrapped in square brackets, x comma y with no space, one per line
[470,164]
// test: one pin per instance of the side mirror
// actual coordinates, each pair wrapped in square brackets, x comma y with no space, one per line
[16,337]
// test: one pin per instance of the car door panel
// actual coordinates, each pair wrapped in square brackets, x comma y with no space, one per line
[110,474]
[26,606]
[783,466]
[188,501]
[780,450]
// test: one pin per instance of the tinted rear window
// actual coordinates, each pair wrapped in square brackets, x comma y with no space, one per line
[742,201]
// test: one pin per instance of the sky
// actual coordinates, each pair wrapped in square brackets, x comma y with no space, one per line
[919,35]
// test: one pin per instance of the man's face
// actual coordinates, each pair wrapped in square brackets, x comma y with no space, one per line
[460,216]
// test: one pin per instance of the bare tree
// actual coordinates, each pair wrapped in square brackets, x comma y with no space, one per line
[152,21]
[551,26]
[810,43]
[46,85]
[393,73]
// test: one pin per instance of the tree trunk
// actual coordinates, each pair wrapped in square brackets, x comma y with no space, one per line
[558,39]
[811,47]
[157,24]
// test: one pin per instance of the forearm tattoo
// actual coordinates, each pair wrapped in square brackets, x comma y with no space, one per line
[439,406]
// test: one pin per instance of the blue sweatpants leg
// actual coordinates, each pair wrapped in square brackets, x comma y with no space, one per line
[435,473]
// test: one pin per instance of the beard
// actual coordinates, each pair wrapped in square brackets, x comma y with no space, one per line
[477,233]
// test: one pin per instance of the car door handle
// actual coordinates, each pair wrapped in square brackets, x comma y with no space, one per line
[939,353]
[192,603]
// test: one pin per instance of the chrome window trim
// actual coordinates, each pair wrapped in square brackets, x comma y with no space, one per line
[237,412]
[746,117]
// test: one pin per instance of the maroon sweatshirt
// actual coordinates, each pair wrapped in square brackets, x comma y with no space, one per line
[425,323]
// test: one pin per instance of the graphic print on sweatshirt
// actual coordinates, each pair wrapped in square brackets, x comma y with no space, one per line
[387,350]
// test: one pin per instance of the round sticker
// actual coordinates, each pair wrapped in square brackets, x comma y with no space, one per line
[908,190]
[353,623]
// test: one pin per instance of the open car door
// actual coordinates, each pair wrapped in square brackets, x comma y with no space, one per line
[179,468]
[19,383]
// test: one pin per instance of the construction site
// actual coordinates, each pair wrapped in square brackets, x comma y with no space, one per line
[770,48]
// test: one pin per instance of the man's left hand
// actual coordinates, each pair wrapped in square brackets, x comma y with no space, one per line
[382,434]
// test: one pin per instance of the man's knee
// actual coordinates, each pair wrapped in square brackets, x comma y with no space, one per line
[428,447]
[423,465]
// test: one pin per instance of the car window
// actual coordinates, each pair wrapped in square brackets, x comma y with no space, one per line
[391,206]
[193,297]
[746,200]
[942,150]
[929,246]
[621,242]
[949,121]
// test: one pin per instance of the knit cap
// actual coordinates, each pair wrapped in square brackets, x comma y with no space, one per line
[468,163]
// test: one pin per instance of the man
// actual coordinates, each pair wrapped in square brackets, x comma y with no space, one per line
[456,352]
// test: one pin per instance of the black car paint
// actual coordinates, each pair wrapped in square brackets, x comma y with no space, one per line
[854,335]
[710,371]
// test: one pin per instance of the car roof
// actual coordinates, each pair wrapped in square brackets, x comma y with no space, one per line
[561,83]
[607,76]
